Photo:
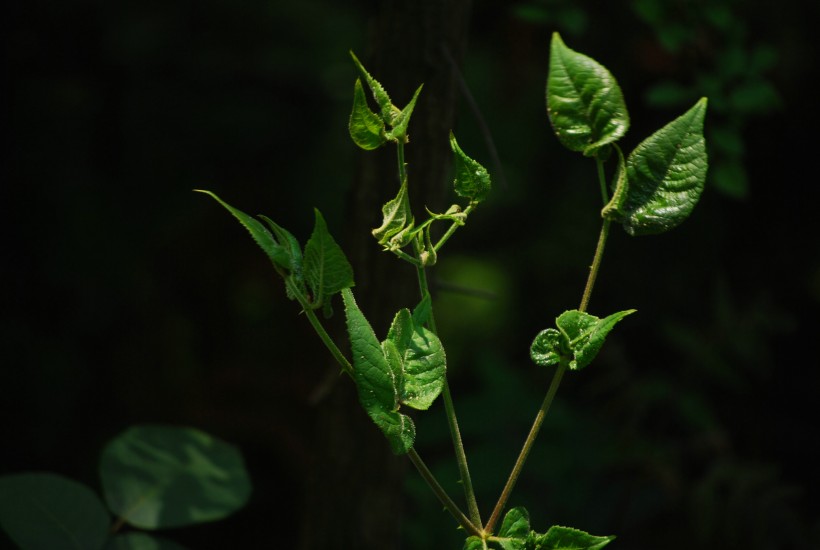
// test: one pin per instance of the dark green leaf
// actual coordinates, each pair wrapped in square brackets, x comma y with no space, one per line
[584,102]
[375,380]
[163,476]
[396,218]
[45,511]
[399,131]
[666,173]
[326,268]
[472,179]
[566,538]
[277,253]
[141,541]
[366,127]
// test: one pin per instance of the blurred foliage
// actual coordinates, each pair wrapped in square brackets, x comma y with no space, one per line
[116,311]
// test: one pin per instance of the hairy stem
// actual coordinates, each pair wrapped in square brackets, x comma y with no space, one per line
[453,227]
[559,372]
[320,330]
[442,495]
[452,420]
[525,451]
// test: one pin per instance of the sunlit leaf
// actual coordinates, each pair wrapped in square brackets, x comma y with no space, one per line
[326,268]
[666,174]
[584,102]
[472,179]
[366,127]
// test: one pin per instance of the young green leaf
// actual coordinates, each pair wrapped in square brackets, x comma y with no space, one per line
[396,218]
[423,363]
[515,529]
[666,174]
[472,179]
[376,380]
[584,102]
[275,251]
[567,538]
[388,111]
[546,349]
[424,369]
[576,342]
[399,131]
[475,543]
[45,511]
[326,268]
[162,476]
[366,127]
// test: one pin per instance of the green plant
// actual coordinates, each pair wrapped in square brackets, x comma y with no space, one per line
[153,477]
[652,190]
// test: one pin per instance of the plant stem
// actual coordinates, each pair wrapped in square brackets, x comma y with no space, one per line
[442,495]
[596,265]
[525,451]
[559,372]
[452,421]
[453,227]
[320,330]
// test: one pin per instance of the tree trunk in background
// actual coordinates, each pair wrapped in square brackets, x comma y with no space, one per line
[355,494]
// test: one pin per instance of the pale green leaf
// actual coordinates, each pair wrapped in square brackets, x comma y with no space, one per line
[399,130]
[163,476]
[45,511]
[396,216]
[584,102]
[366,127]
[666,174]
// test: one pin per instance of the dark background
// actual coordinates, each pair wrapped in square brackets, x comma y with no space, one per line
[126,298]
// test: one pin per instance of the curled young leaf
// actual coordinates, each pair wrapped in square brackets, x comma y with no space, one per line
[576,342]
[584,102]
[472,179]
[666,174]
[396,217]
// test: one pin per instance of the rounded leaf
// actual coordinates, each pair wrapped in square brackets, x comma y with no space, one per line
[162,476]
[45,511]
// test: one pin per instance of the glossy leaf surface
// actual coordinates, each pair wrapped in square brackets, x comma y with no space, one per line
[376,380]
[577,341]
[162,476]
[666,174]
[45,511]
[584,102]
